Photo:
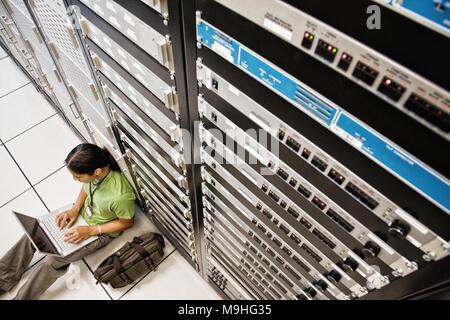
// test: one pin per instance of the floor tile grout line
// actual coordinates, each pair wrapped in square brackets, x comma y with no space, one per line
[134,285]
[35,125]
[48,176]
[26,178]
[37,262]
[1,97]
[14,198]
[92,272]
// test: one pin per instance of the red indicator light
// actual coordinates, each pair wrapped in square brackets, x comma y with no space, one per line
[306,35]
[344,56]
[329,48]
[388,82]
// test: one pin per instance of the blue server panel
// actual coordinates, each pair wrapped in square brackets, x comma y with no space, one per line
[410,170]
[434,11]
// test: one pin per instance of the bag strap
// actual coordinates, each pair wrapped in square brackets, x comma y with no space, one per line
[161,240]
[120,270]
[140,249]
[125,277]
[150,263]
[145,255]
[137,240]
[117,264]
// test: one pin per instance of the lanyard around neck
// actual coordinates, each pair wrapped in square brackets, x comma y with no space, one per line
[91,193]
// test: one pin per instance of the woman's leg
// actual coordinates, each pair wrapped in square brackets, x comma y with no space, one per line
[14,263]
[54,267]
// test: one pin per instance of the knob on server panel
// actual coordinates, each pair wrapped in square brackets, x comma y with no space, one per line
[290,150]
[325,150]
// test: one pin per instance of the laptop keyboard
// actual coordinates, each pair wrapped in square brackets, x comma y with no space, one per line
[58,235]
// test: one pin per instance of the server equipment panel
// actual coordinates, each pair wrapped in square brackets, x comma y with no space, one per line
[393,158]
[68,52]
[274,177]
[431,13]
[130,46]
[155,44]
[398,220]
[345,220]
[292,218]
[146,77]
[20,48]
[401,87]
[47,76]
[158,5]
[261,244]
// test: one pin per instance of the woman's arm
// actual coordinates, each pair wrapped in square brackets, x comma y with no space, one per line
[72,214]
[112,226]
[80,201]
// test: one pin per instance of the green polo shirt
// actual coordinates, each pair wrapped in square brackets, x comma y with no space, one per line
[114,199]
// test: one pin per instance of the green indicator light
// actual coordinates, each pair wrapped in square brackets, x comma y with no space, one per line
[334,50]
[311,37]
[386,213]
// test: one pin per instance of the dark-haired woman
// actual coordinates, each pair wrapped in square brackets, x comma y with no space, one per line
[106,202]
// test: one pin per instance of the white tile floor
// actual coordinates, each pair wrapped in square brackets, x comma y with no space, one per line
[34,181]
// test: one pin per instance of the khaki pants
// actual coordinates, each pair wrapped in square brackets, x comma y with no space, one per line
[16,260]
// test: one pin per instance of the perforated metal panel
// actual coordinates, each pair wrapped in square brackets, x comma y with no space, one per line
[57,27]
[42,67]
[82,82]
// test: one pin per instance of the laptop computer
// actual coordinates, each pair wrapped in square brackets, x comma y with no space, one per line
[46,236]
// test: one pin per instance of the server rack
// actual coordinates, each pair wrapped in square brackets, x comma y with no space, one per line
[52,84]
[322,209]
[136,52]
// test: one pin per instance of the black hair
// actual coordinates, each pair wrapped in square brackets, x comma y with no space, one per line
[86,157]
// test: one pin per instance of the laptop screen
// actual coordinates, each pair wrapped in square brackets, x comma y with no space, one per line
[36,233]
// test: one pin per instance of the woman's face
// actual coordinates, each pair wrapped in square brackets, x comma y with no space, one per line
[82,177]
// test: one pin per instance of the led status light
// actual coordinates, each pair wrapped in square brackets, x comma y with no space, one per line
[307,40]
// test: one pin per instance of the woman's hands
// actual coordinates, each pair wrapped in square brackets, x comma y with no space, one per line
[75,235]
[80,233]
[69,216]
